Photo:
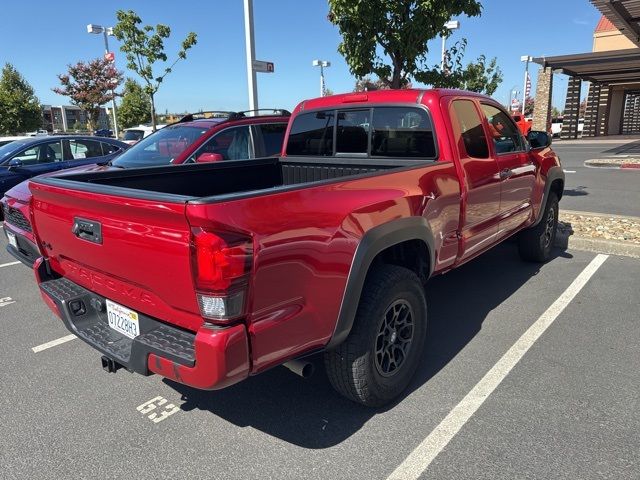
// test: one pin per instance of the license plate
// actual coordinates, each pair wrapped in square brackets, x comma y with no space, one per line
[123,320]
[12,239]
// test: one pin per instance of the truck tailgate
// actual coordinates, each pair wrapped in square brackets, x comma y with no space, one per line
[134,252]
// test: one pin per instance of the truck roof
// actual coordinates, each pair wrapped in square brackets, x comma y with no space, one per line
[410,95]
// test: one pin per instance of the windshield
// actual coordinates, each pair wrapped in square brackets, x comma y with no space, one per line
[133,135]
[159,148]
[8,149]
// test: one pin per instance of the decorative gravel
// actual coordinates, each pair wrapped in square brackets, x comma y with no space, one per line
[606,227]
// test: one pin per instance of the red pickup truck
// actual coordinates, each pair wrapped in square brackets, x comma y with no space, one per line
[206,274]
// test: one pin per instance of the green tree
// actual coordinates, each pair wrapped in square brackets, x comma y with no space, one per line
[19,107]
[135,107]
[369,84]
[144,47]
[89,85]
[479,76]
[555,112]
[389,38]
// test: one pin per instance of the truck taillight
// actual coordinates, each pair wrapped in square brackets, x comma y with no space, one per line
[221,263]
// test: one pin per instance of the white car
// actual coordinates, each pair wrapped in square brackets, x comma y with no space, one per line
[135,134]
[556,126]
[41,132]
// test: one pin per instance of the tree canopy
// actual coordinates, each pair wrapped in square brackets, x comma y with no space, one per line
[143,47]
[19,107]
[480,76]
[388,38]
[89,85]
[135,107]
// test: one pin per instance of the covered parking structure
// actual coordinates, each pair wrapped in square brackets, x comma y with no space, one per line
[613,101]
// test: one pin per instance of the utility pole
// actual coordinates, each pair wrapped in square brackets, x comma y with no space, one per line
[251,54]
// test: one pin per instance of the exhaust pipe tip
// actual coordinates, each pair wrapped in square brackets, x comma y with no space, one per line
[301,367]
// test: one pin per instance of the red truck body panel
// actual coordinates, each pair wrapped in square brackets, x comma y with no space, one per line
[304,239]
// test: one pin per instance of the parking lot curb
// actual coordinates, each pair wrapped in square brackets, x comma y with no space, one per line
[566,240]
[612,164]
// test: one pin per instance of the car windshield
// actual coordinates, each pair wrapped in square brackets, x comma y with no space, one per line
[7,150]
[159,148]
[133,135]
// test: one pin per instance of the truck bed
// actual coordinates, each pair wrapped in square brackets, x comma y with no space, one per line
[234,178]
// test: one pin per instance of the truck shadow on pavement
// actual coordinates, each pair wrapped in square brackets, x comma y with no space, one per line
[309,414]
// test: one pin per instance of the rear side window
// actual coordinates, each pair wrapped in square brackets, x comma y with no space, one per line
[108,148]
[272,136]
[470,135]
[402,132]
[312,134]
[82,148]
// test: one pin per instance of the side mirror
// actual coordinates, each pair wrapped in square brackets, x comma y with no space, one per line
[15,163]
[207,157]
[539,139]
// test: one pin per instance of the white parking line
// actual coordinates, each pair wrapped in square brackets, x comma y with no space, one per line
[9,264]
[420,459]
[53,343]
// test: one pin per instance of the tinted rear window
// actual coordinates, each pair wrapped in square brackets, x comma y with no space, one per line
[402,132]
[312,134]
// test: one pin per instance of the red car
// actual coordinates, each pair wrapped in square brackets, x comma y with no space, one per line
[196,138]
[206,274]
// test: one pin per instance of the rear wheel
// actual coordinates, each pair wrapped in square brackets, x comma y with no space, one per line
[379,357]
[535,244]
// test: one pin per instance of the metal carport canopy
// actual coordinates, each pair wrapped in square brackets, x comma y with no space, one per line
[624,14]
[616,66]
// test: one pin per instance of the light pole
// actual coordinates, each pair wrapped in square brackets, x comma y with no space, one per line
[450,25]
[527,83]
[250,46]
[106,31]
[322,64]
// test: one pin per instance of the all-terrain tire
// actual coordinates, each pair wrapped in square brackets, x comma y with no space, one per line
[535,244]
[383,350]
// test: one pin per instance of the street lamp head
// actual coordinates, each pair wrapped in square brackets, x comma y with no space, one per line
[91,28]
[320,63]
[526,58]
[452,25]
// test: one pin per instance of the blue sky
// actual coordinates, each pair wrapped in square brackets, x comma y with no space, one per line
[41,37]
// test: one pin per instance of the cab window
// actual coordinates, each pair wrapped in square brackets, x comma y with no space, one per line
[505,134]
[404,132]
[312,134]
[469,133]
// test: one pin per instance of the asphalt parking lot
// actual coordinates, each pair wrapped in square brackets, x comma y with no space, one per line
[597,189]
[567,407]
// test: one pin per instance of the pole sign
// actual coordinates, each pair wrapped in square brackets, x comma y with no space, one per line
[262,67]
[110,56]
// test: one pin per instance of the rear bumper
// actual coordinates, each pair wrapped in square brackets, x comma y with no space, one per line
[209,359]
[26,252]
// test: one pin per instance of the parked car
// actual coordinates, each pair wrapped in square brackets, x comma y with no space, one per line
[135,134]
[228,135]
[103,132]
[208,273]
[5,140]
[524,124]
[556,126]
[41,132]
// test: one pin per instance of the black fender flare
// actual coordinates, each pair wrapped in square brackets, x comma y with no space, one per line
[373,242]
[554,173]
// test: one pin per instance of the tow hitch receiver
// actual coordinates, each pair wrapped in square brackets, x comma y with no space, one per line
[109,365]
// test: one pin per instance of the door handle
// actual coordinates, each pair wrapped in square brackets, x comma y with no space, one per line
[505,173]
